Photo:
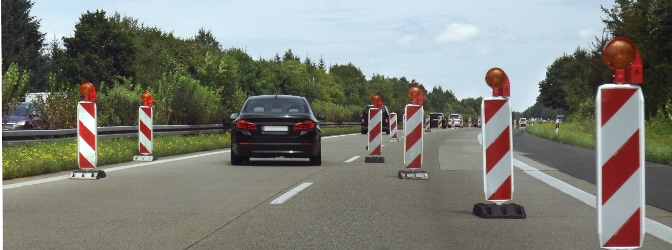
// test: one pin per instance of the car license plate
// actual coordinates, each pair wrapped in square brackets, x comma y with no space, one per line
[275,128]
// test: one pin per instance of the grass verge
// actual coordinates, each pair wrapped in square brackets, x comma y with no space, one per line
[61,155]
[658,145]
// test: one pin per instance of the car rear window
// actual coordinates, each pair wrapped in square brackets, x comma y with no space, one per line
[275,106]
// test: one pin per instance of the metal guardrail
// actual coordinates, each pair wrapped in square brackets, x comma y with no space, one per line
[24,136]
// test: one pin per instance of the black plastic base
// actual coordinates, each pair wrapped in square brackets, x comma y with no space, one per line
[88,174]
[504,211]
[374,159]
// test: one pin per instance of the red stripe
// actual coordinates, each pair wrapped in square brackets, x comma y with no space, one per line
[84,163]
[620,167]
[503,192]
[497,150]
[491,107]
[148,111]
[144,129]
[375,132]
[143,149]
[413,137]
[89,107]
[629,234]
[411,111]
[376,151]
[87,135]
[612,100]
[416,163]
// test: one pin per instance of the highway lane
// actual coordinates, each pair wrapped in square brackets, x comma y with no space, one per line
[205,203]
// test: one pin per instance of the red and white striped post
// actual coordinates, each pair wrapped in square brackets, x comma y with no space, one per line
[145,129]
[619,111]
[393,127]
[87,135]
[375,131]
[428,125]
[413,141]
[440,122]
[497,151]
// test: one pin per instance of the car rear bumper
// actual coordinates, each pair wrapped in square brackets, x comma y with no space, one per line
[271,150]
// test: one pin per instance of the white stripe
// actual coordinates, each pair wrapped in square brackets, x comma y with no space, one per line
[291,193]
[620,207]
[497,124]
[498,174]
[654,228]
[619,129]
[352,158]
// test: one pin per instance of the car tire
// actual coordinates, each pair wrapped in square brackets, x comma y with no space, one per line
[237,160]
[316,160]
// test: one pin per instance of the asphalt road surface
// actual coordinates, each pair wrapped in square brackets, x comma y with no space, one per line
[200,201]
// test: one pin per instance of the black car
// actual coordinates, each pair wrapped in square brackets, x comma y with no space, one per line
[434,120]
[271,126]
[365,119]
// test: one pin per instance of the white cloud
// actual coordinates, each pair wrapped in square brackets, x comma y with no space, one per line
[586,33]
[457,32]
[408,40]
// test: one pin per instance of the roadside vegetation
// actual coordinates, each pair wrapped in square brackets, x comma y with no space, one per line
[61,155]
[658,136]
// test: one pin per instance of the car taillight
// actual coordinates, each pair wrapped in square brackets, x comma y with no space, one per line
[304,125]
[387,121]
[363,121]
[245,125]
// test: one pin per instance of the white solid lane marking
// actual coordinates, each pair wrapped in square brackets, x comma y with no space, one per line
[284,197]
[63,177]
[352,159]
[653,227]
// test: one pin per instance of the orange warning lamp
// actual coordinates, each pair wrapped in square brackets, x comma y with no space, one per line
[621,56]
[497,79]
[377,101]
[415,93]
[146,99]
[88,91]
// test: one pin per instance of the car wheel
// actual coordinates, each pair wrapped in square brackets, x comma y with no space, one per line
[236,160]
[316,160]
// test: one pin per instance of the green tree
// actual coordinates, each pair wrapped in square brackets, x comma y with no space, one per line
[100,50]
[206,38]
[14,87]
[22,41]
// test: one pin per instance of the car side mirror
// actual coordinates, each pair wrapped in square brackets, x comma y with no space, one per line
[320,117]
[233,116]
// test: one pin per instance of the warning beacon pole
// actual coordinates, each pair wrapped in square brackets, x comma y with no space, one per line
[375,146]
[413,137]
[145,129]
[497,151]
[393,127]
[619,112]
[87,135]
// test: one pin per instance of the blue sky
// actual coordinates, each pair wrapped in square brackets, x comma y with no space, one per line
[444,43]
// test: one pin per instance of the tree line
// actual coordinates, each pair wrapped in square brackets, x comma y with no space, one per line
[197,80]
[572,80]
[193,80]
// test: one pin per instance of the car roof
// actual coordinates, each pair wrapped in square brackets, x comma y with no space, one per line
[284,97]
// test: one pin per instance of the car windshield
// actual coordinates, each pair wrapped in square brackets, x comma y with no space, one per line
[275,106]
[21,110]
[454,116]
[433,116]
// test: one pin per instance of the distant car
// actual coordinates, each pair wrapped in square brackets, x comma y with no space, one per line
[455,121]
[21,117]
[522,122]
[434,120]
[271,126]
[365,119]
